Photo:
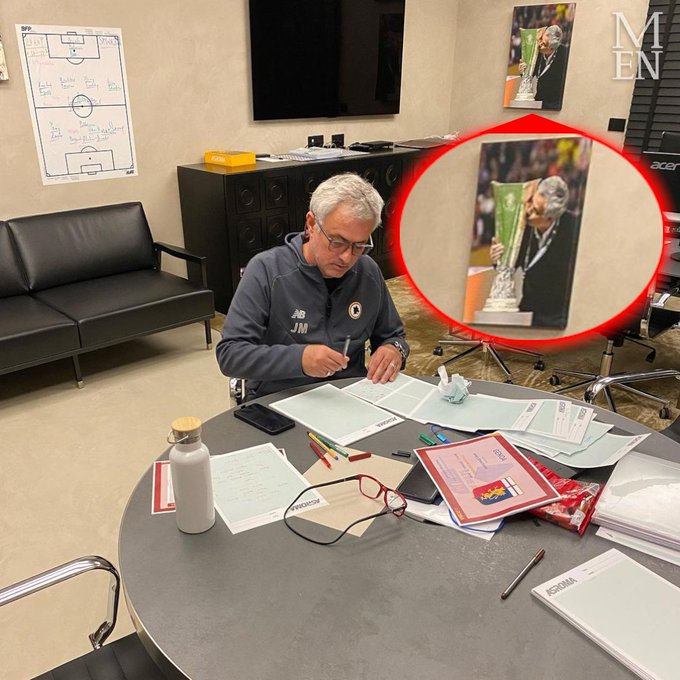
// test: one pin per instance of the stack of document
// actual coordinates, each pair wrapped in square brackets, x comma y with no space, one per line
[586,444]
[642,501]
[628,610]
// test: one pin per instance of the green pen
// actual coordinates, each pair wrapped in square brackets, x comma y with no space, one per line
[333,446]
[427,440]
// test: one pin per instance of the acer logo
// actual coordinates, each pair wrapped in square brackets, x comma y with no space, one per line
[664,165]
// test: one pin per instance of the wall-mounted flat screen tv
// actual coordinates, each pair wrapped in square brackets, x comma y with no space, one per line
[325,58]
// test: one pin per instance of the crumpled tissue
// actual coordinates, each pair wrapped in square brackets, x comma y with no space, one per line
[453,389]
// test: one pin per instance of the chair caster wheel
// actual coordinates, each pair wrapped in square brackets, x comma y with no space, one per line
[438,351]
[665,413]
[539,365]
[555,380]
[651,356]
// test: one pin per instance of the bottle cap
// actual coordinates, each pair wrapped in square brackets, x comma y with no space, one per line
[186,430]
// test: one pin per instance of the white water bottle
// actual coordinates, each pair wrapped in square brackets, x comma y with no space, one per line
[191,477]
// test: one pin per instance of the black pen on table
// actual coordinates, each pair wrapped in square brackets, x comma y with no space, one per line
[345,348]
[534,560]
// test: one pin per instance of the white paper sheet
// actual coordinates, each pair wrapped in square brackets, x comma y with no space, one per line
[477,412]
[627,609]
[605,451]
[422,402]
[553,419]
[254,486]
[439,513]
[642,498]
[335,414]
[647,547]
[552,448]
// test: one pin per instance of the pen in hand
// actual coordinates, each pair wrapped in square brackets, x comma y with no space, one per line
[534,560]
[345,347]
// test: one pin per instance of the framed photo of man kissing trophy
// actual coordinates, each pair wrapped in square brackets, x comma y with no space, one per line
[538,57]
[529,204]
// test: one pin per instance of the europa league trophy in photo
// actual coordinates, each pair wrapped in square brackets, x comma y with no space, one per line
[502,305]
[529,41]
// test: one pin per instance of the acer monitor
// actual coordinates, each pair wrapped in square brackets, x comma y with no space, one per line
[666,168]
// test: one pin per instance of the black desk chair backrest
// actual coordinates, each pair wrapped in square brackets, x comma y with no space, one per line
[670,142]
[124,659]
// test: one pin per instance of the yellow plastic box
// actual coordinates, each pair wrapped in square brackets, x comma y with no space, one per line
[230,158]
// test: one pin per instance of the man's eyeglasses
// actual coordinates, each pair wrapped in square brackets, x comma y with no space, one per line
[370,487]
[339,245]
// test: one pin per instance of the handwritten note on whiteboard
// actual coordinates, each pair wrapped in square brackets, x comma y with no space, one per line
[79,101]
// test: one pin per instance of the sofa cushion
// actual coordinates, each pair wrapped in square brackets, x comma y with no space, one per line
[11,279]
[113,308]
[31,331]
[77,245]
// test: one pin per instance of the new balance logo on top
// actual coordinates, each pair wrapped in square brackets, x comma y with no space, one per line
[298,314]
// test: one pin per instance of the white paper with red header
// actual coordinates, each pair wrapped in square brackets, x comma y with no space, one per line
[485,478]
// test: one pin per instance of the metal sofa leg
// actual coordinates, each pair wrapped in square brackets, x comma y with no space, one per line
[77,371]
[208,334]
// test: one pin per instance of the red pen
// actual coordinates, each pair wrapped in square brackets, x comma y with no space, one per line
[359,456]
[318,452]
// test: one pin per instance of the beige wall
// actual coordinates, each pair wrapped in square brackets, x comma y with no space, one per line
[619,245]
[188,74]
[591,96]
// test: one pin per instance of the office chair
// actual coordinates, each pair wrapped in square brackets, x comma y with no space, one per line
[673,430]
[237,390]
[650,320]
[486,346]
[124,659]
[670,142]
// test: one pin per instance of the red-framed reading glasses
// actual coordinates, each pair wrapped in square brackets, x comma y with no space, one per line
[370,487]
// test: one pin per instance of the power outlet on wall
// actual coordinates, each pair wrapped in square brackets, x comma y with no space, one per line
[338,141]
[315,140]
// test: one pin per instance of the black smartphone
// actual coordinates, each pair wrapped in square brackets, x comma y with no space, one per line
[264,418]
[418,485]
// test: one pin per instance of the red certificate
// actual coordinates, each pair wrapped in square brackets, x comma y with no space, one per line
[485,479]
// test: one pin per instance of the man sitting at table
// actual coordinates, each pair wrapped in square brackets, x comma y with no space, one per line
[297,304]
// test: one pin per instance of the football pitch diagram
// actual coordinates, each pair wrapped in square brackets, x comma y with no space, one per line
[77,91]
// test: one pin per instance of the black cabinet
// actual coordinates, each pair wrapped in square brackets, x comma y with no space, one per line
[229,215]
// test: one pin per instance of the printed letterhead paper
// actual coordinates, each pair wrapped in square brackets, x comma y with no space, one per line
[627,609]
[486,478]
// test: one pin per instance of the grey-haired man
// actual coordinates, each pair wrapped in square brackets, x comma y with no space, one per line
[551,67]
[298,303]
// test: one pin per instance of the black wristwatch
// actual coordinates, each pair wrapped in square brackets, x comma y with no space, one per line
[402,351]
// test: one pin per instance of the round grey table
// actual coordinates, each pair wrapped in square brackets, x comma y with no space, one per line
[406,600]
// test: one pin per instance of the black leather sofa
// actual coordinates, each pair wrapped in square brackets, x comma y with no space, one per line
[75,281]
